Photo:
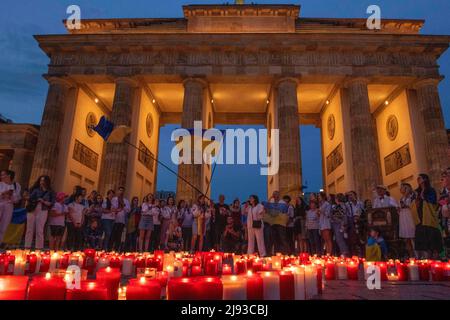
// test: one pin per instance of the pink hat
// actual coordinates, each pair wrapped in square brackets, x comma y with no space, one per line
[60,196]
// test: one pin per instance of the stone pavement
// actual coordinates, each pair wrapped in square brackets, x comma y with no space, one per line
[357,290]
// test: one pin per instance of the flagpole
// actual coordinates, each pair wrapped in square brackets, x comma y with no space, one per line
[168,168]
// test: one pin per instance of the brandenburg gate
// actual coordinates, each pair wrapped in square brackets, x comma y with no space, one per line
[374,94]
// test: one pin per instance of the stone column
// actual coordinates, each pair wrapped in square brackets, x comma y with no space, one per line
[193,105]
[436,143]
[22,165]
[47,148]
[364,142]
[287,121]
[113,173]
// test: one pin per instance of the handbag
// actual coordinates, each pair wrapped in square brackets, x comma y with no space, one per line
[256,224]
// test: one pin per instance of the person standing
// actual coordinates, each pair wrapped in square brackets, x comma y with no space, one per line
[75,221]
[165,223]
[42,199]
[290,225]
[255,225]
[108,217]
[428,241]
[382,200]
[57,221]
[312,226]
[276,219]
[338,220]
[146,223]
[133,219]
[325,223]
[10,196]
[121,206]
[407,227]
[156,234]
[198,227]
[355,210]
[221,213]
[186,220]
[300,224]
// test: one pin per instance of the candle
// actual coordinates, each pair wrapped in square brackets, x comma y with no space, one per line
[276,262]
[178,268]
[341,271]
[226,269]
[383,270]
[255,286]
[257,266]
[424,271]
[287,287]
[240,267]
[211,268]
[180,288]
[102,263]
[447,271]
[402,271]
[19,266]
[196,271]
[271,281]
[310,281]
[143,289]
[413,271]
[111,279]
[13,287]
[47,288]
[392,277]
[330,271]
[89,290]
[299,282]
[45,263]
[32,263]
[128,266]
[53,262]
[352,270]
[208,288]
[437,271]
[234,287]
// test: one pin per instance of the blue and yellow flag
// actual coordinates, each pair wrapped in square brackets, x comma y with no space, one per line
[15,230]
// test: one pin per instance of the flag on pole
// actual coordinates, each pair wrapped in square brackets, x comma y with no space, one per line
[111,133]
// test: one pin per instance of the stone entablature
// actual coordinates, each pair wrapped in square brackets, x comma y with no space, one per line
[244,19]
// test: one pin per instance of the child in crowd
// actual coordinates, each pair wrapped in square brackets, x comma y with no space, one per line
[93,234]
[57,221]
[75,222]
[231,236]
[312,226]
[376,248]
[175,238]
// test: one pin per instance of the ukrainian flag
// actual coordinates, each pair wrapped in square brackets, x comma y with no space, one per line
[15,230]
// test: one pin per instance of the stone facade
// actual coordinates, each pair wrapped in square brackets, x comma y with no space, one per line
[254,44]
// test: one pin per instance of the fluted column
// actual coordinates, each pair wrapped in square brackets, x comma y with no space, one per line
[193,105]
[436,143]
[114,169]
[47,148]
[286,107]
[22,165]
[364,142]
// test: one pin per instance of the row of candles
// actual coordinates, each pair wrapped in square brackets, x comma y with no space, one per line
[204,275]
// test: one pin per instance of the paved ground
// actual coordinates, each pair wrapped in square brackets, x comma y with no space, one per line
[357,290]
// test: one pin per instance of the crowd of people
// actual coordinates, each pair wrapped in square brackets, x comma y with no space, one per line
[322,224]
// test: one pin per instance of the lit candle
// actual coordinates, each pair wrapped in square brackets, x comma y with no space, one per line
[424,271]
[102,263]
[342,271]
[111,279]
[13,287]
[287,285]
[330,271]
[89,290]
[180,289]
[45,263]
[413,271]
[19,266]
[47,288]
[128,266]
[255,286]
[276,262]
[240,267]
[178,268]
[271,281]
[383,270]
[310,281]
[437,271]
[211,268]
[402,271]
[143,289]
[352,270]
[54,259]
[299,282]
[392,277]
[226,269]
[234,287]
[447,271]
[196,271]
[207,288]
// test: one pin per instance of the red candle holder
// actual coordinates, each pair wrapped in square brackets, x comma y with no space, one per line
[207,288]
[13,287]
[89,290]
[255,286]
[437,271]
[143,289]
[47,288]
[330,271]
[402,271]
[287,291]
[110,278]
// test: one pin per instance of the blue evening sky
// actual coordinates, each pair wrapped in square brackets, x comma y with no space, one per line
[23,90]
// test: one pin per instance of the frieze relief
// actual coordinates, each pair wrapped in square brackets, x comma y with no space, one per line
[242,58]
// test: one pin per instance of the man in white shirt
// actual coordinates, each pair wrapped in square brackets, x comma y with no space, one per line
[10,194]
[382,200]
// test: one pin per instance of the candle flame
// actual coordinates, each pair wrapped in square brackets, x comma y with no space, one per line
[233,278]
[142,280]
[48,276]
[249,273]
[108,269]
[91,285]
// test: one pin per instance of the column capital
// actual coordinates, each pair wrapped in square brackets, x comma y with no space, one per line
[279,81]
[64,81]
[127,80]
[190,80]
[352,80]
[426,82]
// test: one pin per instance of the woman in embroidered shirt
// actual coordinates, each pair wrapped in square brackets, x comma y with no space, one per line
[428,241]
[407,227]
